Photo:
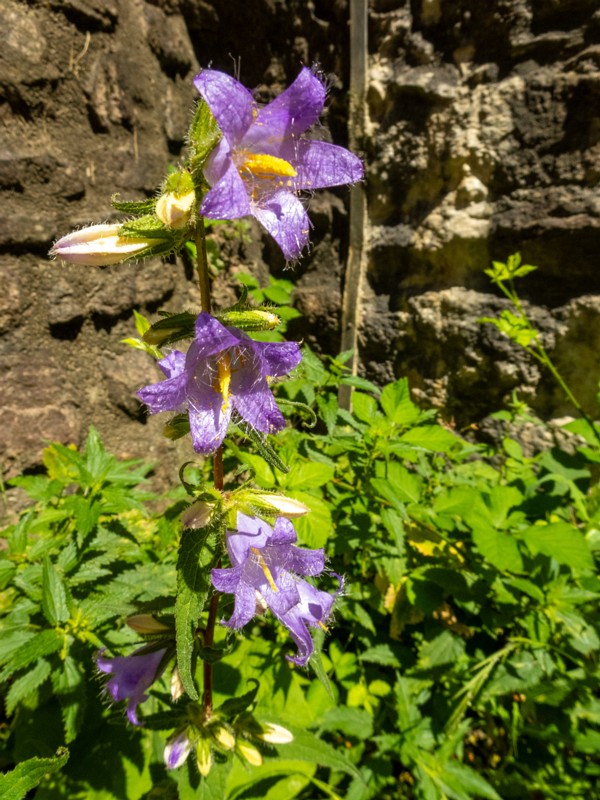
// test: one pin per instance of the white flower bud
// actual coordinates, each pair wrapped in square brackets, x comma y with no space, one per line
[223,736]
[99,246]
[285,506]
[145,623]
[173,210]
[204,757]
[275,734]
[177,689]
[177,750]
[197,515]
[249,752]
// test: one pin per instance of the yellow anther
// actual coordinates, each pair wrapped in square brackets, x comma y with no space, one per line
[323,627]
[265,568]
[262,165]
[224,379]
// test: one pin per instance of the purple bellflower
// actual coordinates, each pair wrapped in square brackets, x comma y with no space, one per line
[132,676]
[263,160]
[265,567]
[223,372]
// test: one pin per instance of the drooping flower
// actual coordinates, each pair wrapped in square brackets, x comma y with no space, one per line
[132,676]
[224,373]
[266,564]
[263,160]
[100,246]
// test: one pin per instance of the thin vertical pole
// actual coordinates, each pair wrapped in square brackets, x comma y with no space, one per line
[351,307]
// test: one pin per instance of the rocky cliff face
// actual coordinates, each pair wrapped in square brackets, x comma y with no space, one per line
[483,139]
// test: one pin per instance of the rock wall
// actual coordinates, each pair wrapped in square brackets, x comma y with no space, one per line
[483,139]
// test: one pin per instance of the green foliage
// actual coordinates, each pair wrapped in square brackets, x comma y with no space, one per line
[463,660]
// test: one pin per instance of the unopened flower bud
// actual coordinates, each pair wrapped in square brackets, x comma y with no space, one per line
[177,750]
[177,689]
[284,506]
[203,756]
[99,246]
[250,319]
[198,514]
[275,734]
[223,736]
[145,623]
[173,209]
[248,752]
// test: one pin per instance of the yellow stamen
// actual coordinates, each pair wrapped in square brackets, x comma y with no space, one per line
[265,568]
[324,627]
[262,165]
[224,379]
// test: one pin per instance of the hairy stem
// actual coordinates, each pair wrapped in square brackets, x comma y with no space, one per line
[209,634]
[202,263]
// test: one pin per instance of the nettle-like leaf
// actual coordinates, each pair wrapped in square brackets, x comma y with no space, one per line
[198,554]
[28,774]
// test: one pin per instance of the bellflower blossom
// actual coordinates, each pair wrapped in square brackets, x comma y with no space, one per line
[265,566]
[223,372]
[263,160]
[132,676]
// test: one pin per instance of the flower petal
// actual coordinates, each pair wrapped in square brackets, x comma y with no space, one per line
[245,606]
[169,395]
[279,357]
[301,636]
[320,164]
[226,579]
[294,110]
[228,198]
[208,425]
[251,532]
[210,338]
[306,562]
[283,532]
[230,102]
[173,364]
[259,409]
[132,676]
[284,217]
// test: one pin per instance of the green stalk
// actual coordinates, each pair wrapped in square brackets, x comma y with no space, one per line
[209,633]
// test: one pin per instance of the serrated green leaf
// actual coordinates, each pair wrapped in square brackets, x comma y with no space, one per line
[499,548]
[42,644]
[133,206]
[69,686]
[395,401]
[432,437]
[204,135]
[560,541]
[308,747]
[28,774]
[445,648]
[54,595]
[197,555]
[350,721]
[22,687]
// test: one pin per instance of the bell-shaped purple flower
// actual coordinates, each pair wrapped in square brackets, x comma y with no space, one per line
[132,676]
[266,564]
[263,160]
[224,373]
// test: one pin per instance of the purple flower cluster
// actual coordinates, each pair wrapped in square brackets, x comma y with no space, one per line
[263,159]
[223,374]
[266,565]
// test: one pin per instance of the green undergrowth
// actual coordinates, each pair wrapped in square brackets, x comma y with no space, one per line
[463,658]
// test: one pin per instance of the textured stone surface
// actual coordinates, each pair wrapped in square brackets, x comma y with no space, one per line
[483,138]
